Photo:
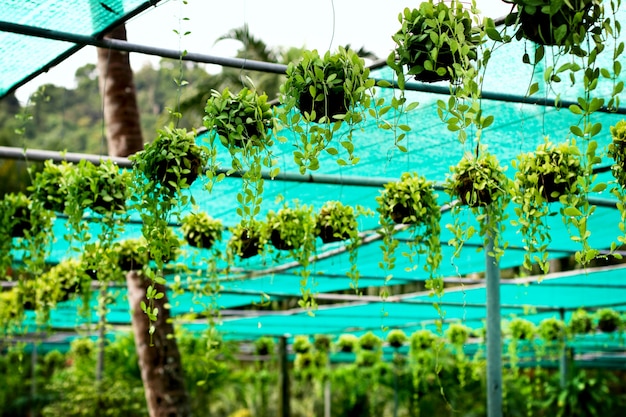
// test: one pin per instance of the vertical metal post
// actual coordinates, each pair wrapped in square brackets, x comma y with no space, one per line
[101,332]
[284,377]
[494,341]
[33,381]
[327,401]
[563,360]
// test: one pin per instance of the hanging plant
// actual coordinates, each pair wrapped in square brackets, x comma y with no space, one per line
[322,343]
[65,280]
[580,322]
[480,184]
[412,203]
[617,151]
[247,239]
[264,345]
[49,186]
[301,344]
[552,329]
[172,162]
[521,329]
[201,230]
[422,340]
[17,211]
[560,23]
[608,320]
[330,92]
[549,174]
[347,343]
[244,124]
[396,338]
[132,254]
[369,341]
[457,334]
[435,42]
[292,229]
[108,187]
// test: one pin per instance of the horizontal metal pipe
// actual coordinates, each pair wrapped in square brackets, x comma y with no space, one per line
[119,45]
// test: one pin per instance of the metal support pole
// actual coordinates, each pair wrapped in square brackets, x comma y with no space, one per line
[327,399]
[33,380]
[494,342]
[563,360]
[284,378]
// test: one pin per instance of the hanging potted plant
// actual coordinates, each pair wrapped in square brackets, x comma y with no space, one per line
[580,322]
[108,188]
[49,185]
[264,345]
[396,338]
[552,329]
[617,151]
[457,334]
[412,203]
[435,42]
[172,162]
[560,23]
[247,239]
[336,222]
[64,279]
[201,230]
[292,228]
[521,329]
[132,254]
[608,320]
[347,343]
[422,340]
[329,92]
[244,124]
[479,183]
[549,174]
[301,344]
[17,215]
[369,341]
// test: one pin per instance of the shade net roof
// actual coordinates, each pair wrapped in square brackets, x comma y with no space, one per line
[521,123]
[22,57]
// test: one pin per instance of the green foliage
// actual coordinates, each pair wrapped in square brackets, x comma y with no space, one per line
[49,185]
[248,238]
[412,204]
[549,174]
[561,23]
[478,182]
[331,92]
[264,345]
[421,341]
[301,344]
[617,151]
[608,320]
[201,230]
[552,330]
[435,42]
[132,254]
[521,329]
[457,334]
[581,322]
[347,343]
[369,341]
[396,338]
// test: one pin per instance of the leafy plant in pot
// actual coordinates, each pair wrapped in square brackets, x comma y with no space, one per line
[397,338]
[552,329]
[201,230]
[559,23]
[608,320]
[549,174]
[244,124]
[580,322]
[478,183]
[369,341]
[49,185]
[293,229]
[347,343]
[411,204]
[330,92]
[435,42]
[248,239]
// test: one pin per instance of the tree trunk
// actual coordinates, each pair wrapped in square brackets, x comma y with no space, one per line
[160,364]
[121,113]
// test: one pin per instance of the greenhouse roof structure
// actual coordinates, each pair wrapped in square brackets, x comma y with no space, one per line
[521,123]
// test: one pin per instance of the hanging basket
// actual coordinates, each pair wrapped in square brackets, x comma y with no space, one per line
[334,103]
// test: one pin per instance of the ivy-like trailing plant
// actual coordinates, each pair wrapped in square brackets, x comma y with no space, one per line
[243,123]
[369,341]
[411,204]
[301,344]
[264,346]
[49,186]
[552,329]
[521,332]
[550,174]
[26,226]
[248,239]
[617,151]
[347,343]
[561,23]
[131,254]
[397,338]
[293,229]
[580,322]
[162,171]
[478,183]
[320,96]
[335,222]
[435,42]
[201,230]
[65,280]
[457,334]
[608,320]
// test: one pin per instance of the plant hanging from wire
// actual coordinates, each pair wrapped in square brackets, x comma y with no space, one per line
[478,183]
[243,123]
[325,99]
[409,207]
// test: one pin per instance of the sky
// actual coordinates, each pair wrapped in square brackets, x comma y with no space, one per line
[319,24]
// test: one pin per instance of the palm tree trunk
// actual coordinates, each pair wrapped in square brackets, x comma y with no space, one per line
[121,113]
[159,358]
